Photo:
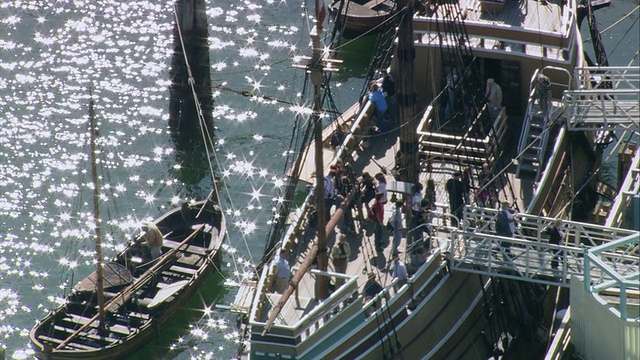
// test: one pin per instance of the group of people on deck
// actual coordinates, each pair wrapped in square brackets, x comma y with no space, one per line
[371,193]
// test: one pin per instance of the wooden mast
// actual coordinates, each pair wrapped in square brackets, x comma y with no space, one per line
[317,78]
[96,214]
[325,226]
[409,162]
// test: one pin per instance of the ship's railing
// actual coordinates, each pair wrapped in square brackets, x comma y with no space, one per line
[561,339]
[299,218]
[468,148]
[491,36]
[345,307]
[614,266]
[528,255]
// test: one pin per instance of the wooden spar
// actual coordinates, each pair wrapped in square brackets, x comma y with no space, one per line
[96,214]
[317,78]
[128,292]
[306,264]
[405,53]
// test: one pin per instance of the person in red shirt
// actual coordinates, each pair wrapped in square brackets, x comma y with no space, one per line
[376,215]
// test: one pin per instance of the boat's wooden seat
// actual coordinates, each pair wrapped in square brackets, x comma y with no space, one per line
[185,248]
[81,320]
[76,345]
[94,337]
[183,269]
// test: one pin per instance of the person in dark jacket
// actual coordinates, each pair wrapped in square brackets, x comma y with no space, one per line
[555,237]
[389,91]
[505,226]
[455,189]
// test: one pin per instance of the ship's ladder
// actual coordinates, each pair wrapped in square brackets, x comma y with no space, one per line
[535,134]
[528,255]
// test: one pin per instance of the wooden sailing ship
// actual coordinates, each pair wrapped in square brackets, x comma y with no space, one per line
[124,303]
[439,313]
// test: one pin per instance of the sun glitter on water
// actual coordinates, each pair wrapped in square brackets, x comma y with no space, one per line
[51,54]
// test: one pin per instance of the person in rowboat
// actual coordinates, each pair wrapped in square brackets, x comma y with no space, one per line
[152,239]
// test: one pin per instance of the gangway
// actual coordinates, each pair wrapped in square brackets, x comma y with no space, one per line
[603,109]
[527,256]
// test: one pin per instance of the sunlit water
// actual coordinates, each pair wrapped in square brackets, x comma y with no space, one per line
[52,53]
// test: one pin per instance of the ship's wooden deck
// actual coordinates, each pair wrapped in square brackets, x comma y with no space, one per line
[529,14]
[378,155]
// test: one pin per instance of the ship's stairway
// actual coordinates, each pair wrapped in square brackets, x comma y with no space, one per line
[528,255]
[537,129]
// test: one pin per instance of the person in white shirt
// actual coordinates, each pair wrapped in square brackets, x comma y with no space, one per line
[381,186]
[329,193]
[283,272]
[494,97]
[396,223]
[399,271]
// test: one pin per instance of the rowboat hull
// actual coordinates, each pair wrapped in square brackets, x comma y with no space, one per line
[139,320]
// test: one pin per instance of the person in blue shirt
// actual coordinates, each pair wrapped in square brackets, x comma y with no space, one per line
[377,98]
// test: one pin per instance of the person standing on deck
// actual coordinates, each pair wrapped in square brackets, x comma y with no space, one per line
[455,189]
[367,188]
[396,224]
[466,183]
[543,93]
[329,193]
[555,237]
[413,203]
[152,239]
[505,226]
[399,271]
[283,272]
[494,98]
[371,287]
[389,91]
[377,98]
[344,187]
[338,137]
[485,195]
[376,215]
[340,254]
[381,186]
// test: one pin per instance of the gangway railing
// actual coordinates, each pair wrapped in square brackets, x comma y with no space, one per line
[616,268]
[527,255]
[604,109]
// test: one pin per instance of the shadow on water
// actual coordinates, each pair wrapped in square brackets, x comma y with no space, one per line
[211,291]
[184,122]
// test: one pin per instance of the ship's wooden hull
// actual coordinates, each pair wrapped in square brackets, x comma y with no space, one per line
[153,305]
